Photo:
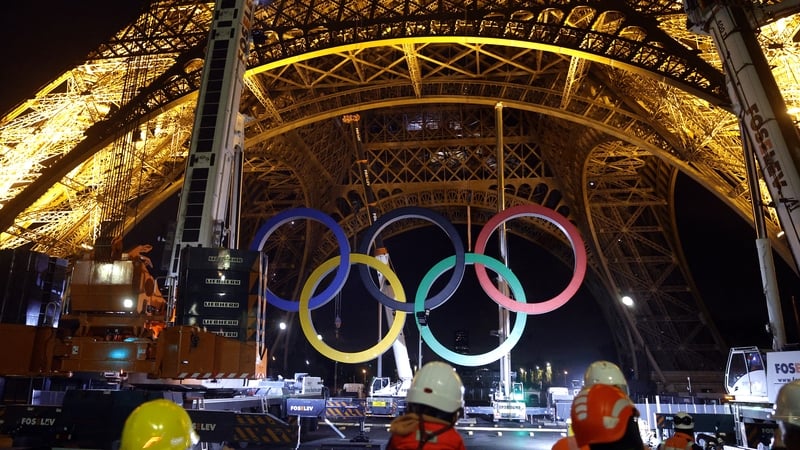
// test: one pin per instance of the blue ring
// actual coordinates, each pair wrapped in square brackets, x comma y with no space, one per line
[344,251]
[408,212]
[458,358]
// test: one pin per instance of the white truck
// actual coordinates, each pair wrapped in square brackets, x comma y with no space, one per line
[559,401]
[511,406]
[752,381]
[386,397]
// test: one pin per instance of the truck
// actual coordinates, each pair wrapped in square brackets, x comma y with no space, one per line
[559,401]
[387,397]
[752,380]
[509,406]
[770,138]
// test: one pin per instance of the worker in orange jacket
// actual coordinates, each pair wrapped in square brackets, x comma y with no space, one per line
[434,403]
[598,372]
[683,437]
[604,418]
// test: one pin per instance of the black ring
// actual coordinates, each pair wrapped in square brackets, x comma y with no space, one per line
[437,219]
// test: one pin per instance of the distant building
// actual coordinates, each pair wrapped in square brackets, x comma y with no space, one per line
[462,341]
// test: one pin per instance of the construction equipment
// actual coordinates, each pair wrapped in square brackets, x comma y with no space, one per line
[114,317]
[559,401]
[770,137]
[765,123]
[384,397]
[509,406]
[752,381]
[104,315]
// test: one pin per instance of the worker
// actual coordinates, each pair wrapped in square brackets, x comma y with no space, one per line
[598,372]
[603,417]
[159,425]
[434,403]
[787,414]
[683,437]
[605,372]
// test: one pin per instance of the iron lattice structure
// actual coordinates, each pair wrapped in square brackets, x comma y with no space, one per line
[640,98]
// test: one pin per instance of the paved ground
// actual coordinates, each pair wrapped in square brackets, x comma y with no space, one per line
[478,436]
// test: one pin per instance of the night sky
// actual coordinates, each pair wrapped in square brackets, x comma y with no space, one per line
[41,39]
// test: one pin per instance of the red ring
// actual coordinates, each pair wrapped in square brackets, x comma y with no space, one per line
[572,235]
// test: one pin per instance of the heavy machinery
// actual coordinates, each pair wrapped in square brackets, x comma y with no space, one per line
[770,137]
[752,381]
[509,404]
[69,323]
[114,316]
[387,397]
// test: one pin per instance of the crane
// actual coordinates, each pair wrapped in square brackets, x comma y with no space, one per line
[771,139]
[116,323]
[384,396]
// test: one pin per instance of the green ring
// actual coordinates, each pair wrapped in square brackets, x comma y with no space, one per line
[470,360]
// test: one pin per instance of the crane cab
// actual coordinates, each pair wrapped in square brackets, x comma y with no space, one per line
[745,374]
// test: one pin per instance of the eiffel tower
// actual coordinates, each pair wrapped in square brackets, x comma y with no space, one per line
[600,107]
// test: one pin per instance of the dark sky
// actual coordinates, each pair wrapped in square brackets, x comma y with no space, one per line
[41,39]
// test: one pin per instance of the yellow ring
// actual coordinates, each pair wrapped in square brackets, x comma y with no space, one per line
[305,313]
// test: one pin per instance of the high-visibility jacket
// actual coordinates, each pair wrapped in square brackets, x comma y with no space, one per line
[679,441]
[435,434]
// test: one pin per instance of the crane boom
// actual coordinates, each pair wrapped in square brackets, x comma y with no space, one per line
[769,135]
[382,391]
[216,286]
[758,101]
[209,202]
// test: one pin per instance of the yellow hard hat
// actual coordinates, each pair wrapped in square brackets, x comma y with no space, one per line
[158,424]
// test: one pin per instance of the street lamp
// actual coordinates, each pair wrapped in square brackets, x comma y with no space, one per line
[565,379]
[364,372]
[539,377]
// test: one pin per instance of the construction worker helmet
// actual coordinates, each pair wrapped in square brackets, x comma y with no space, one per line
[605,372]
[683,421]
[787,404]
[600,414]
[158,424]
[437,385]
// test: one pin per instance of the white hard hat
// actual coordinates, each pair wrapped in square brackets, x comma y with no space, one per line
[605,372]
[437,385]
[683,421]
[787,404]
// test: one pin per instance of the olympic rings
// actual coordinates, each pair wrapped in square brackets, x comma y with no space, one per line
[342,271]
[444,352]
[566,227]
[311,333]
[410,212]
[421,305]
